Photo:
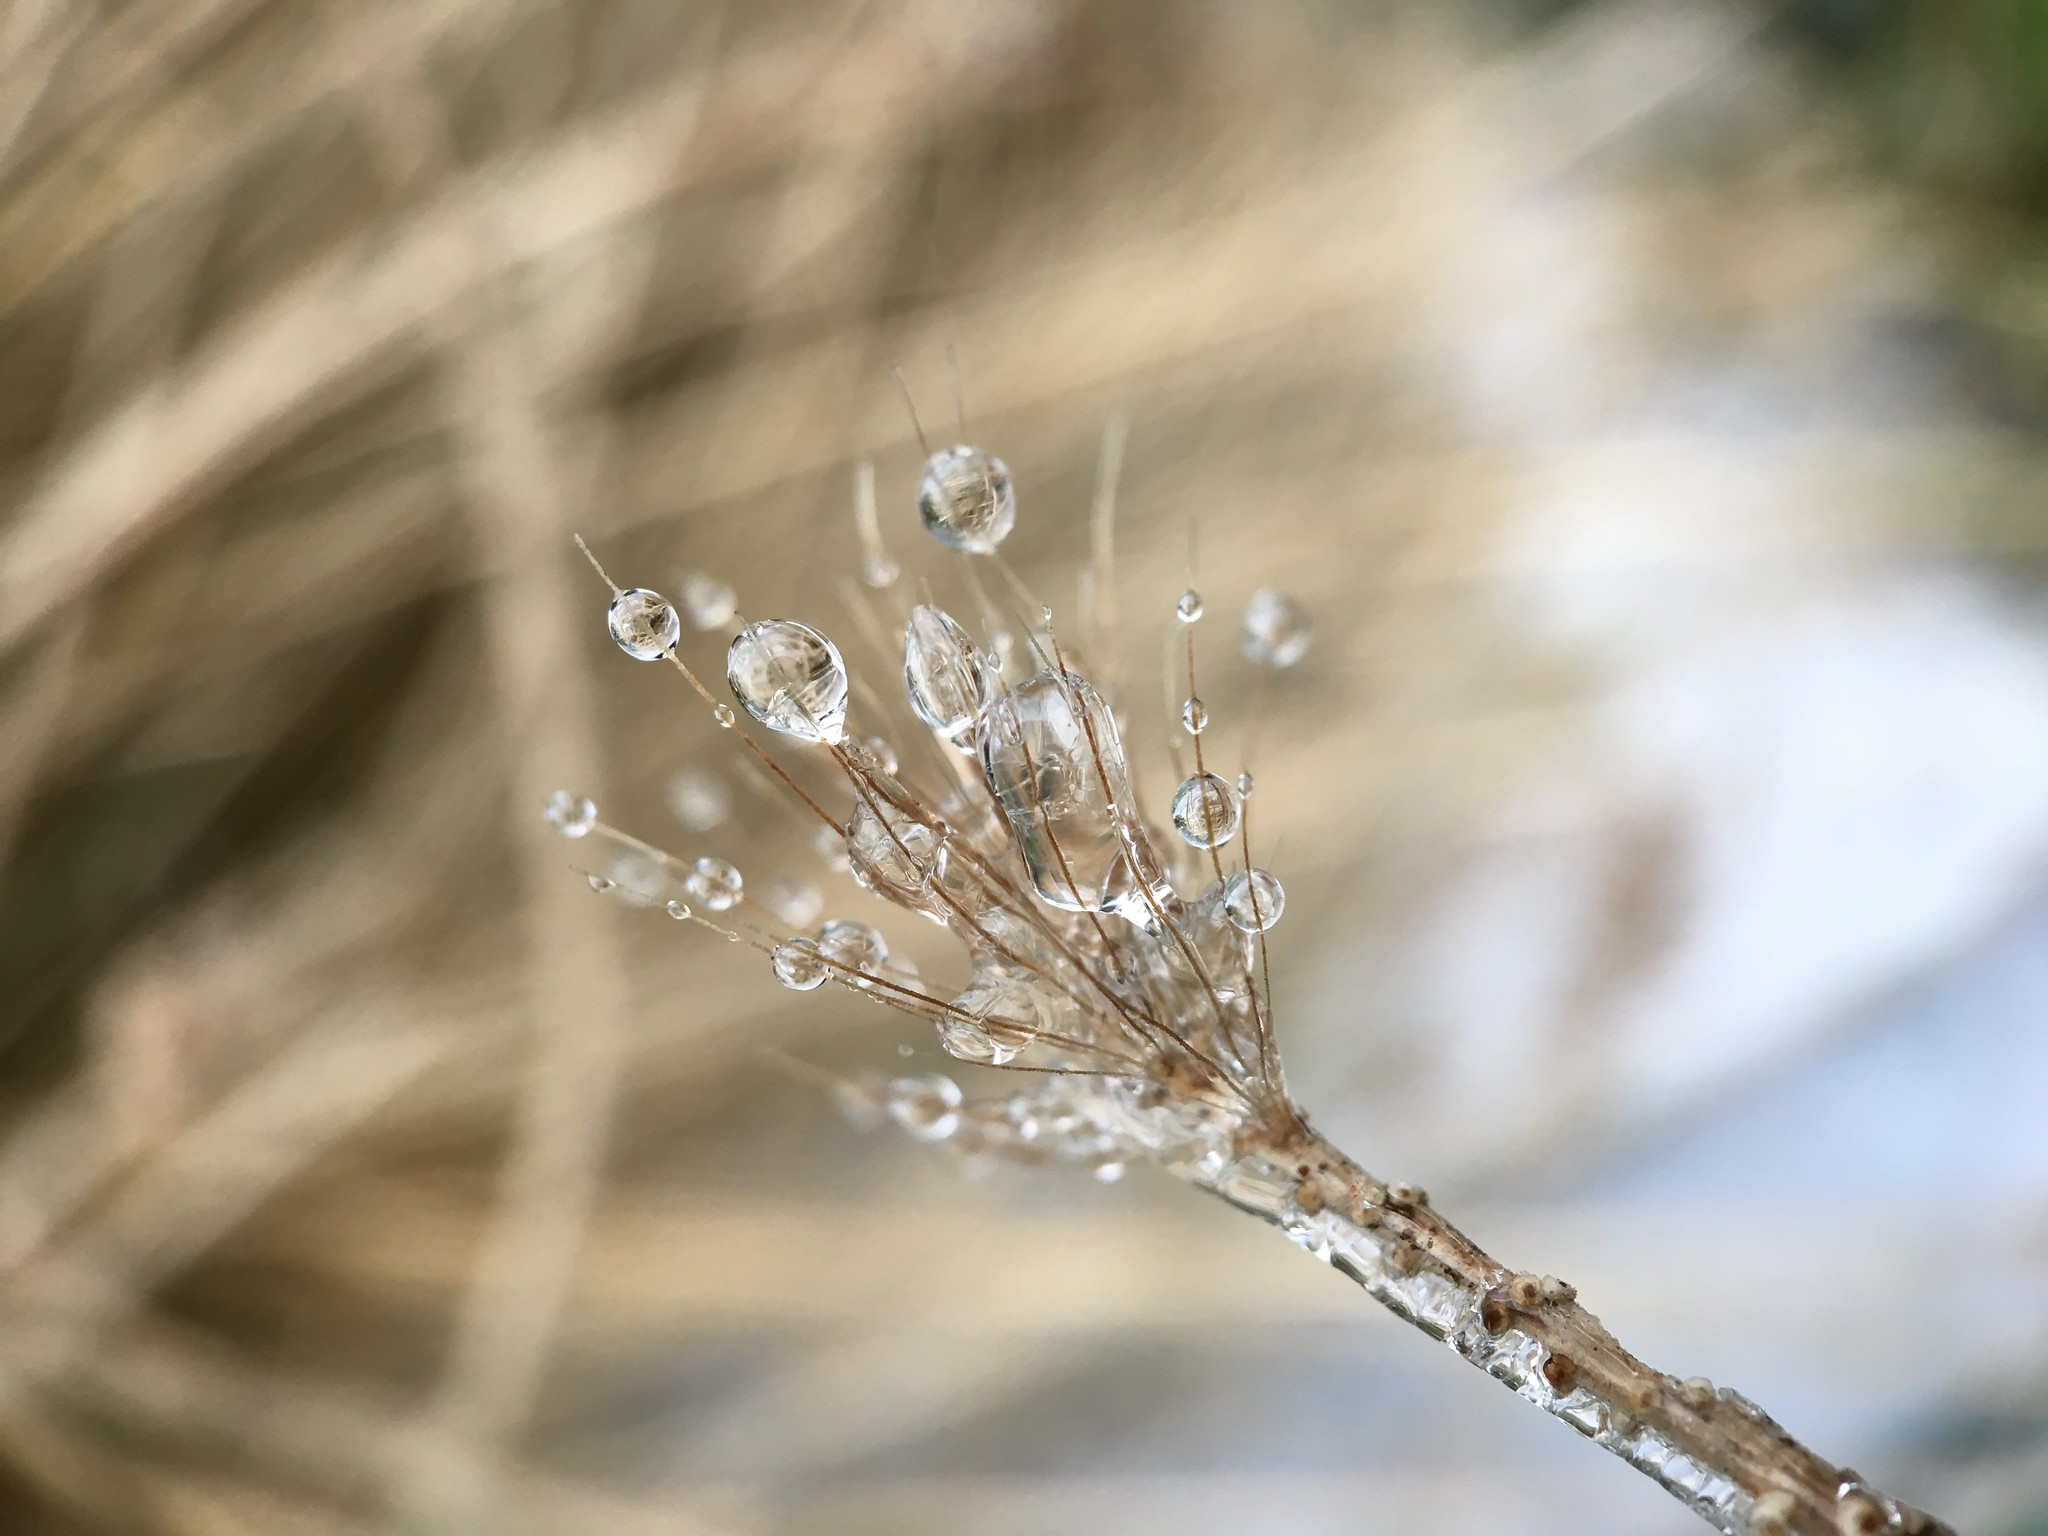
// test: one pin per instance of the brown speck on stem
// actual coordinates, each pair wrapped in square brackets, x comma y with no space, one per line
[1561,1371]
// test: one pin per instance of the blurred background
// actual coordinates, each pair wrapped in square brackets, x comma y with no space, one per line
[1646,399]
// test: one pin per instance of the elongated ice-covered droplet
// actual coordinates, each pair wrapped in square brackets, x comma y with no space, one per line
[1051,757]
[1205,811]
[714,885]
[944,674]
[570,815]
[1253,900]
[1194,717]
[790,678]
[1276,629]
[966,499]
[799,966]
[643,624]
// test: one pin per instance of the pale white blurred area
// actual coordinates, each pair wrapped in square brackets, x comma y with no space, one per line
[1662,804]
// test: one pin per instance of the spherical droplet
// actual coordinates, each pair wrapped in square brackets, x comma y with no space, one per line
[1245,782]
[945,678]
[790,678]
[644,625]
[723,714]
[714,884]
[679,910]
[1205,811]
[1195,716]
[1276,629]
[927,1107]
[799,966]
[966,499]
[796,902]
[698,798]
[1189,608]
[570,815]
[968,1039]
[854,945]
[708,601]
[1253,900]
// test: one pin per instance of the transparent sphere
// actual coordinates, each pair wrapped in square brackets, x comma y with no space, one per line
[1205,811]
[854,945]
[966,499]
[799,966]
[1189,608]
[1276,629]
[790,678]
[945,678]
[643,624]
[1253,900]
[570,815]
[927,1107]
[708,601]
[714,885]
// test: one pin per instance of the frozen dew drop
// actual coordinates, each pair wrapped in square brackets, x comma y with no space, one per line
[1244,784]
[1051,758]
[1276,629]
[1205,811]
[723,714]
[1253,900]
[708,601]
[853,945]
[1189,608]
[570,815]
[927,1107]
[966,1039]
[698,798]
[1194,715]
[799,966]
[597,883]
[888,850]
[946,679]
[714,884]
[966,499]
[796,902]
[643,624]
[679,910]
[883,754]
[790,678]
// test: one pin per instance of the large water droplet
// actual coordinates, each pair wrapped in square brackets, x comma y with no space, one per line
[1205,811]
[854,946]
[708,601]
[943,674]
[1276,629]
[966,499]
[714,885]
[993,1020]
[790,678]
[570,815]
[1051,757]
[1253,900]
[799,966]
[699,798]
[927,1107]
[643,624]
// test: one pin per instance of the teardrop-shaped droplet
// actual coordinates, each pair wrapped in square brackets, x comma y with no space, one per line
[597,883]
[1194,717]
[1276,629]
[927,1107]
[570,815]
[1051,757]
[714,885]
[723,714]
[679,910]
[707,601]
[1253,900]
[699,798]
[1189,608]
[790,678]
[1205,811]
[643,624]
[853,946]
[1244,784]
[966,499]
[944,675]
[799,966]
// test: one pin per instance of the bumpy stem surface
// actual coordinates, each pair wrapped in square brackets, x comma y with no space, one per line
[1716,1451]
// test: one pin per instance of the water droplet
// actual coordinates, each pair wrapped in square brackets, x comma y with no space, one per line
[679,910]
[1189,608]
[1108,1172]
[570,815]
[888,850]
[883,754]
[1253,900]
[1244,784]
[879,570]
[905,1051]
[643,624]
[799,965]
[708,601]
[854,945]
[598,883]
[699,798]
[946,678]
[1051,757]
[796,902]
[966,499]
[1205,811]
[1276,629]
[714,884]
[723,714]
[927,1107]
[790,678]
[1195,716]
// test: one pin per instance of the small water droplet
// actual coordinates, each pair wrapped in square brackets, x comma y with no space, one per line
[699,798]
[880,570]
[905,1051]
[883,754]
[1245,781]
[790,678]
[1276,629]
[723,714]
[1108,1172]
[796,902]
[854,945]
[966,499]
[643,624]
[598,883]
[1189,608]
[679,910]
[1253,900]
[1194,715]
[927,1107]
[1205,811]
[715,885]
[945,678]
[799,966]
[708,601]
[570,815]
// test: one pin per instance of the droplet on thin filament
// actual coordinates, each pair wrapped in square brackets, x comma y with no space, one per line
[927,1107]
[644,625]
[1205,811]
[679,910]
[1189,608]
[1194,716]
[570,815]
[799,966]
[1253,900]
[853,945]
[790,678]
[966,499]
[714,884]
[1051,757]
[944,675]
